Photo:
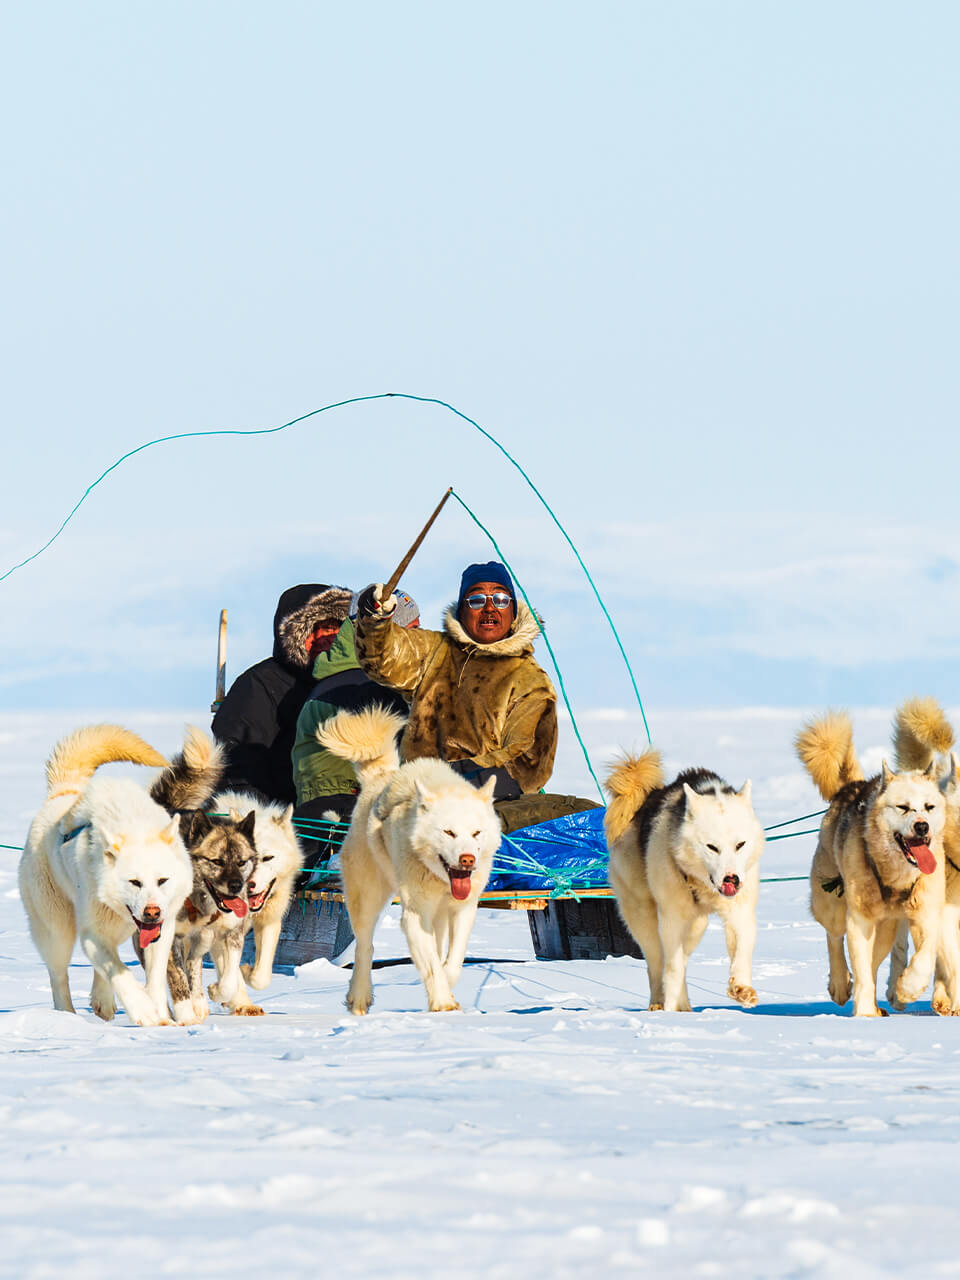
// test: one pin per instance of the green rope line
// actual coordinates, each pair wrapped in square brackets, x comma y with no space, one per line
[788,835]
[339,404]
[553,656]
[819,814]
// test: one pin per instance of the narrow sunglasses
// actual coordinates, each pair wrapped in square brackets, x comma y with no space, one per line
[499,600]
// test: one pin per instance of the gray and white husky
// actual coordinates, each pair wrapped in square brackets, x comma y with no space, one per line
[224,857]
[190,784]
[679,853]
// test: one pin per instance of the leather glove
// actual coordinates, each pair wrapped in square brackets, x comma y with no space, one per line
[372,604]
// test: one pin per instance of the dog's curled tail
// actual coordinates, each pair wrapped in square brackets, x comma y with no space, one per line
[629,783]
[825,746]
[193,775]
[368,739]
[76,758]
[921,731]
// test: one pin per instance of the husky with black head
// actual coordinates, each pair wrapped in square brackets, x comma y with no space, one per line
[879,861]
[679,853]
[214,914]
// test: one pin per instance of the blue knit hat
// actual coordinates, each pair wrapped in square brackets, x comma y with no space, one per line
[492,571]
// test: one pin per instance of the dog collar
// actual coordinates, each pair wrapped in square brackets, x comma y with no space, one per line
[76,831]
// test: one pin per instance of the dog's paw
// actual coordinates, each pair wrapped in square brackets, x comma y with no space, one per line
[655,1007]
[144,1015]
[907,992]
[213,991]
[103,1006]
[940,1004]
[444,1006]
[745,996]
[840,989]
[185,1015]
[248,1011]
[256,980]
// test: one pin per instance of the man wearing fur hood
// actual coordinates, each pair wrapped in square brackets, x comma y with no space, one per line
[479,700]
[257,719]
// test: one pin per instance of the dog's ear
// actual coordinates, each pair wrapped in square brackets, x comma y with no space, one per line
[171,832]
[423,795]
[885,775]
[286,816]
[691,796]
[246,826]
[200,824]
[746,791]
[948,784]
[486,791]
[111,846]
[931,770]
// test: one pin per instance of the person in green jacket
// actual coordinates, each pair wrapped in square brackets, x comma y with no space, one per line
[326,785]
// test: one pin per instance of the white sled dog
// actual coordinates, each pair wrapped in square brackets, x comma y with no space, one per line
[879,860]
[104,860]
[421,831]
[677,854]
[923,735]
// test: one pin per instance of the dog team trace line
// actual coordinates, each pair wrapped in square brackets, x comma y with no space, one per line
[338,404]
[562,886]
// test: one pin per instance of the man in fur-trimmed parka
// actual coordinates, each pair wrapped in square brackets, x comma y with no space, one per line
[257,719]
[479,700]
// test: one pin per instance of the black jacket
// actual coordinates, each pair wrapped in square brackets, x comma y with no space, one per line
[257,719]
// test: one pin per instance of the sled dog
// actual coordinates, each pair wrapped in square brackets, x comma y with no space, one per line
[677,854]
[421,831]
[104,860]
[922,733]
[879,860]
[214,916]
[191,783]
[270,888]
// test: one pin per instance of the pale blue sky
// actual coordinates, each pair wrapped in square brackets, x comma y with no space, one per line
[695,264]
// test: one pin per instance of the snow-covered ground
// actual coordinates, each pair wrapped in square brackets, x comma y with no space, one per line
[553,1128]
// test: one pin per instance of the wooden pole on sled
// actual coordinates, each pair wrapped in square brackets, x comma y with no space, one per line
[221,664]
[401,568]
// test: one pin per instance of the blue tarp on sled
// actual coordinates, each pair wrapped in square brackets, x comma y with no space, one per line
[553,857]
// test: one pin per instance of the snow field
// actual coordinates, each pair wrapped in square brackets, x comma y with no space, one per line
[554,1128]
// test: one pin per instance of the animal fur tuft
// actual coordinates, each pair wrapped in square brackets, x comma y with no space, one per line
[630,782]
[76,758]
[825,746]
[193,775]
[368,739]
[921,731]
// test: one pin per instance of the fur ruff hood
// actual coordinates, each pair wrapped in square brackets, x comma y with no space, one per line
[298,612]
[517,643]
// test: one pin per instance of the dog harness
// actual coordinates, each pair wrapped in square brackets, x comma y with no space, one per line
[75,832]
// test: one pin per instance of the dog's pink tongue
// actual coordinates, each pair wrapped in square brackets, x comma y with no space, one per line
[460,887]
[729,887]
[237,906]
[149,933]
[925,859]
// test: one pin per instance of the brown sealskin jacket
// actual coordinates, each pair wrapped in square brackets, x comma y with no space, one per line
[489,703]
